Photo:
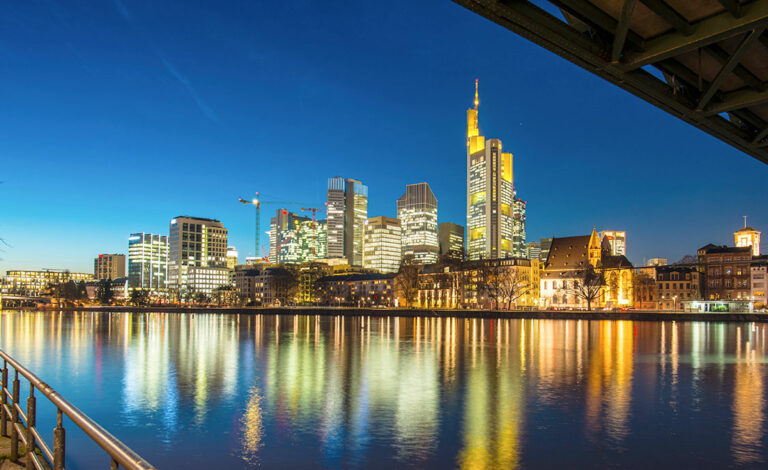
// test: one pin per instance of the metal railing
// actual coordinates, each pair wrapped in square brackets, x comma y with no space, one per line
[23,428]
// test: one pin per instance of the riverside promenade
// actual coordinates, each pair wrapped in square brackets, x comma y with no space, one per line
[633,315]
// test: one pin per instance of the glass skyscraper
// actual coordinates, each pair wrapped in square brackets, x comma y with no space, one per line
[382,244]
[296,239]
[417,211]
[147,261]
[347,212]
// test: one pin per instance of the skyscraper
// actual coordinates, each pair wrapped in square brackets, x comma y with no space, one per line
[450,239]
[197,255]
[617,240]
[147,261]
[417,211]
[519,250]
[490,194]
[382,244]
[295,239]
[347,211]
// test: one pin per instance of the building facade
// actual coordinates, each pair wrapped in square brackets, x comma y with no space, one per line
[347,212]
[748,237]
[759,281]
[232,256]
[29,282]
[490,194]
[417,212]
[676,285]
[197,256]
[109,266]
[382,244]
[617,240]
[296,239]
[726,272]
[450,240]
[519,248]
[147,261]
[361,290]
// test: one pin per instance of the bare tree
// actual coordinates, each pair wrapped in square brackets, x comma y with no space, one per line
[513,284]
[588,284]
[489,281]
[407,279]
[687,260]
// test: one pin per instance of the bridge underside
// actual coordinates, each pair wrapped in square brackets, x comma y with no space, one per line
[704,61]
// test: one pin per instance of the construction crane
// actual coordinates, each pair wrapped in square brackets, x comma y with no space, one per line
[257,203]
[314,210]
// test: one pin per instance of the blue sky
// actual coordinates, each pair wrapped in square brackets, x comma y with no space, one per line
[118,115]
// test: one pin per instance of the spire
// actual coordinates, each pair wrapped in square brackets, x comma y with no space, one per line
[477,101]
[745,221]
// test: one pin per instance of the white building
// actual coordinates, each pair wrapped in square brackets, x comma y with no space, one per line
[417,211]
[147,261]
[347,212]
[197,255]
[382,244]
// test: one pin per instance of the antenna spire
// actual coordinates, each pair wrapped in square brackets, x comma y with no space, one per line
[745,221]
[477,101]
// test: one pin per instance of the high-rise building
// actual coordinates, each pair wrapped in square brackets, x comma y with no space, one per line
[534,250]
[545,244]
[617,240]
[109,266]
[417,211]
[197,256]
[382,244]
[450,239]
[347,211]
[490,194]
[748,236]
[231,257]
[147,261]
[296,239]
[519,250]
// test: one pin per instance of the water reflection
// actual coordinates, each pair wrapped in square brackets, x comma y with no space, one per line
[365,391]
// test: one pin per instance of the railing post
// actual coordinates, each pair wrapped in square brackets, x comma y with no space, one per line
[31,411]
[5,400]
[15,419]
[113,465]
[59,442]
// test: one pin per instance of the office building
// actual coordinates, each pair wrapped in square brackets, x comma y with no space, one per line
[30,282]
[450,240]
[617,240]
[519,250]
[748,236]
[347,212]
[545,244]
[657,262]
[296,239]
[726,272]
[417,211]
[147,261]
[534,250]
[231,257]
[197,256]
[109,266]
[382,244]
[490,194]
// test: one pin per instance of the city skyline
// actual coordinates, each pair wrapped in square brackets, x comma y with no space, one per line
[180,111]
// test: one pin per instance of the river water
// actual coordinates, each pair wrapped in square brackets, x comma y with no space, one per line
[302,391]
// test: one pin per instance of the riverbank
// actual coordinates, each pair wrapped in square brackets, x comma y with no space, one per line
[404,312]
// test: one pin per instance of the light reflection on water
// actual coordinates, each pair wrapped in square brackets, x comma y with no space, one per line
[229,391]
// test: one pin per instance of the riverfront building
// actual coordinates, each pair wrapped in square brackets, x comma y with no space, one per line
[197,256]
[417,211]
[726,272]
[296,239]
[490,194]
[382,244]
[109,266]
[147,261]
[748,236]
[347,211]
[38,282]
[450,239]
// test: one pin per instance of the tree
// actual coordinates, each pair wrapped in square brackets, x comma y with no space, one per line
[82,292]
[514,283]
[104,291]
[285,283]
[688,260]
[588,284]
[489,278]
[139,297]
[407,279]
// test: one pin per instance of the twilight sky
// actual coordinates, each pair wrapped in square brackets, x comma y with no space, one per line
[118,115]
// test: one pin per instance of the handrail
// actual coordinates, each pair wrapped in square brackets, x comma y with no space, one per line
[119,453]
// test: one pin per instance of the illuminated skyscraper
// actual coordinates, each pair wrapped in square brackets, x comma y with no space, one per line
[197,256]
[296,239]
[347,211]
[450,238]
[231,257]
[617,241]
[147,261]
[490,194]
[519,250]
[382,244]
[417,211]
